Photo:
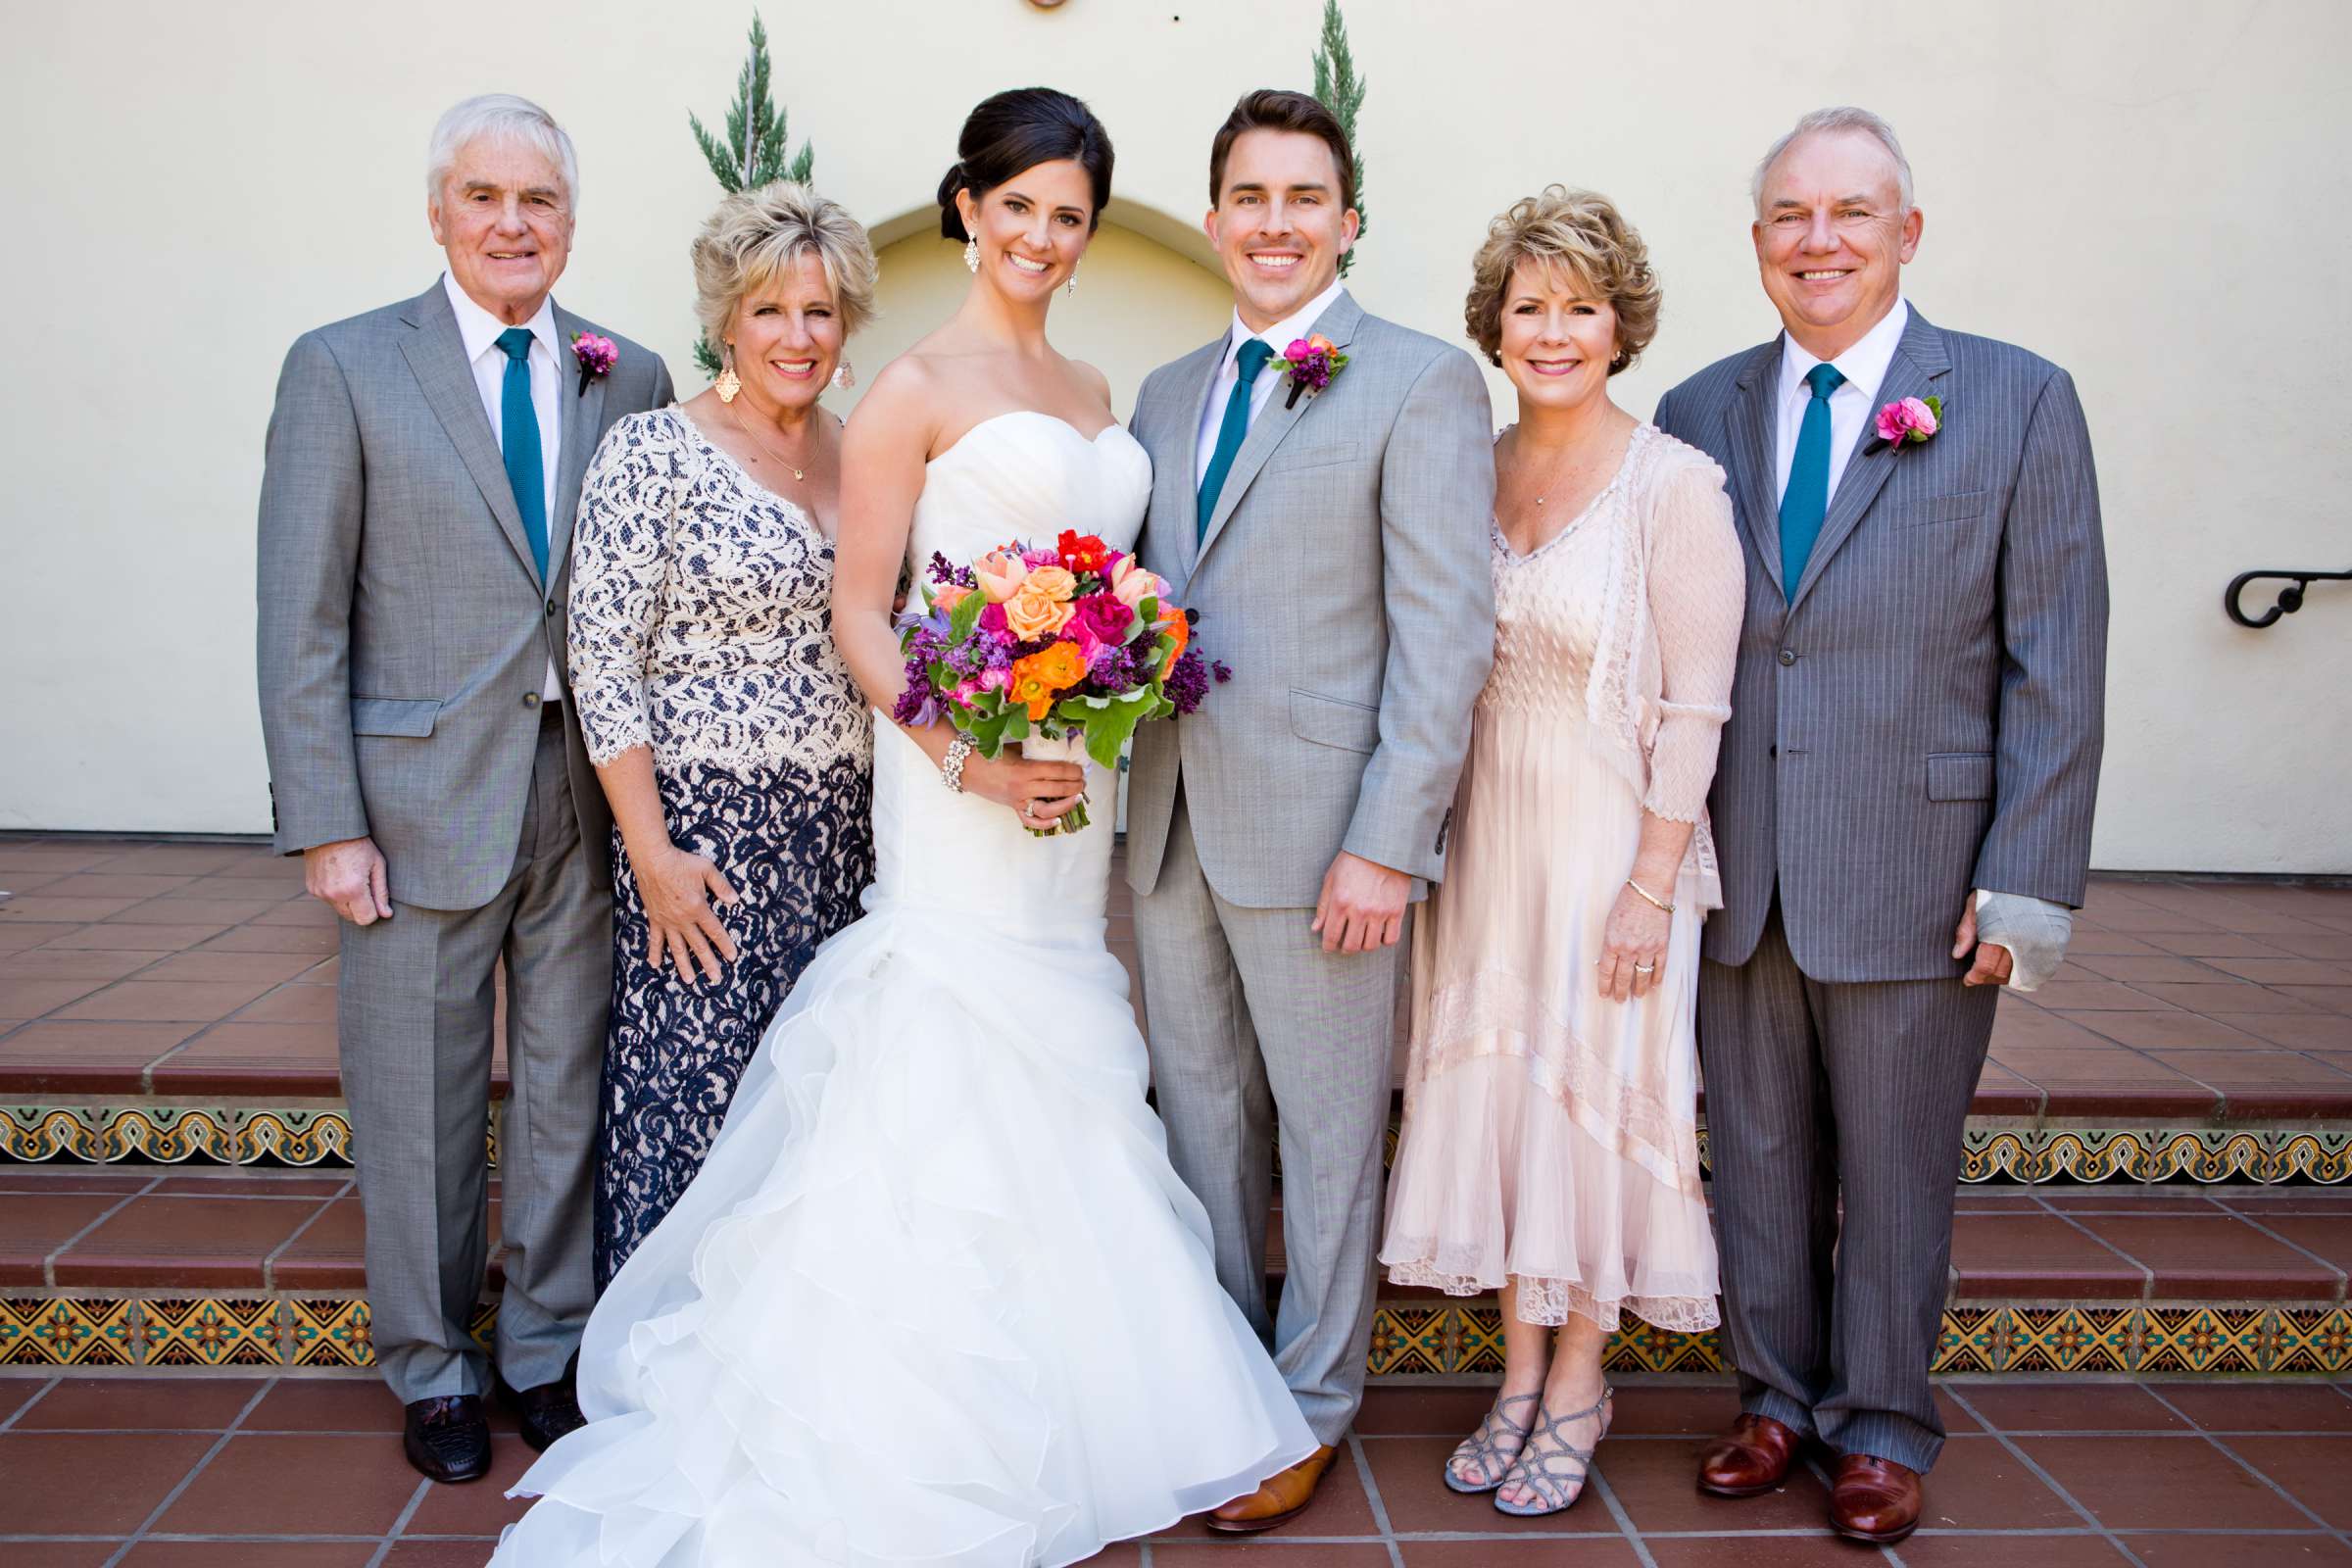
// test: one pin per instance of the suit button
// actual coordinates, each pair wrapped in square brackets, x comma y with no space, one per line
[1787,655]
[551,606]
[1772,751]
[531,699]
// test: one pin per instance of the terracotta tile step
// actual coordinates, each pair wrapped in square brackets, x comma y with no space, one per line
[85,1228]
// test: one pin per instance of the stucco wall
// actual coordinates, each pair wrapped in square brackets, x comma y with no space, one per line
[2148,192]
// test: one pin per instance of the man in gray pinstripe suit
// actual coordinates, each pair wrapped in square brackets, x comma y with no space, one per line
[1902,807]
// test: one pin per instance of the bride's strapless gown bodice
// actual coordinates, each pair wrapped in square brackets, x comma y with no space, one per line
[937,1296]
[1026,476]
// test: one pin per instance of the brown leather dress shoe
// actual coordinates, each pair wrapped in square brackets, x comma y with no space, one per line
[1752,1458]
[1282,1498]
[1874,1499]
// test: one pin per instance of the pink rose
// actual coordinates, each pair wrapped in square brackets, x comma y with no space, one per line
[1298,350]
[1908,419]
[1000,574]
[992,622]
[996,678]
[1131,584]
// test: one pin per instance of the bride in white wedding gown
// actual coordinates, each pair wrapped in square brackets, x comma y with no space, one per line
[936,1295]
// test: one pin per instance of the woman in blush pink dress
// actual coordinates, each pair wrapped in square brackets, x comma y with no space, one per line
[1551,1145]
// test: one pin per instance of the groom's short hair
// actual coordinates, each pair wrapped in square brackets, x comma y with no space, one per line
[1272,109]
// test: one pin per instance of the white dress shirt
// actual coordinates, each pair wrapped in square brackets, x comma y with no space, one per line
[1280,335]
[1852,406]
[479,330]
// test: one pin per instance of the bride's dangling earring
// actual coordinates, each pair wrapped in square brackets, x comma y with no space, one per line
[729,382]
[971,255]
[1071,287]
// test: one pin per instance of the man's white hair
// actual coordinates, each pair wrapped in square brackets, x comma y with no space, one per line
[1829,119]
[501,117]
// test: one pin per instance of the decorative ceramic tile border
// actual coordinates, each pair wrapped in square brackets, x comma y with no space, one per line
[1408,1338]
[238,1135]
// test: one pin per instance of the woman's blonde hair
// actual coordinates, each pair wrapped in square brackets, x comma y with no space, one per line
[1583,236]
[759,234]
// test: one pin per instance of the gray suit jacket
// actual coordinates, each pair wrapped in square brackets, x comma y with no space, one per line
[404,629]
[1345,579]
[1926,716]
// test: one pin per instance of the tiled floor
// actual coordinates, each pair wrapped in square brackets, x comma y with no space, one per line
[259,1473]
[68,1226]
[161,968]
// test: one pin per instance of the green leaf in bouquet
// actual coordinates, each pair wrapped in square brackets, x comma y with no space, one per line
[966,616]
[987,731]
[1108,721]
[1148,612]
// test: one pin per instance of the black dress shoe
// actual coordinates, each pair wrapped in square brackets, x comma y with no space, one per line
[448,1439]
[546,1412]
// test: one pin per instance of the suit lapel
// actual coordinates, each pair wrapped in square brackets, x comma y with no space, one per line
[1749,421]
[1282,413]
[1178,464]
[436,353]
[581,416]
[1917,362]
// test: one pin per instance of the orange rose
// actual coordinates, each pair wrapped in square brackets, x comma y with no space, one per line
[1041,677]
[1176,626]
[1055,582]
[1032,612]
[1000,573]
[948,595]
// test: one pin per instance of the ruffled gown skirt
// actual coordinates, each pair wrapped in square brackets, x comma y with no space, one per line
[936,1295]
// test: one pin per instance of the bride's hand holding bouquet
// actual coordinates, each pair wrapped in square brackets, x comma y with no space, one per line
[1063,649]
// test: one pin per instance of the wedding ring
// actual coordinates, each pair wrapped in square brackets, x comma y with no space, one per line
[1646,969]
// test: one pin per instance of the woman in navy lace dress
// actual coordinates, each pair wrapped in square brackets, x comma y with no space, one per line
[725,728]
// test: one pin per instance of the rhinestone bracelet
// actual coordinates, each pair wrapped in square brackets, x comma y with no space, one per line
[950,766]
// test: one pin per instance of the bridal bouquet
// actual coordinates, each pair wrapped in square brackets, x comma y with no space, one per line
[1065,649]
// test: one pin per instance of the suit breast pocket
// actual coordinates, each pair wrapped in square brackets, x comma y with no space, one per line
[1964,507]
[1334,722]
[1322,455]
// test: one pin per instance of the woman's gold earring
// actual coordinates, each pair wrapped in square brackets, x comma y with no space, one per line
[729,382]
[971,255]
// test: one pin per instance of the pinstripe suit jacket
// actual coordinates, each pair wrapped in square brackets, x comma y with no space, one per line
[1926,715]
[403,622]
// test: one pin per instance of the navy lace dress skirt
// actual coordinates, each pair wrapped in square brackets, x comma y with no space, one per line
[796,846]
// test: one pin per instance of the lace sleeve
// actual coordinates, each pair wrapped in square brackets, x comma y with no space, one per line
[619,562]
[1697,594]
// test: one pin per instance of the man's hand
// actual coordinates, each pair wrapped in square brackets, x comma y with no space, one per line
[1363,906]
[348,876]
[1993,964]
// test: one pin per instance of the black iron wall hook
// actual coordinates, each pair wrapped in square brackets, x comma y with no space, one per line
[2290,598]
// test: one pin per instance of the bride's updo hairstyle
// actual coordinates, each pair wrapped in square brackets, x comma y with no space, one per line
[1021,129]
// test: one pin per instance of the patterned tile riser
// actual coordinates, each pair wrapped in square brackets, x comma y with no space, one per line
[1408,1338]
[241,1135]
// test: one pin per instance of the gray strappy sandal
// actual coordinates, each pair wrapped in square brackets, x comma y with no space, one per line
[1482,1446]
[1549,1485]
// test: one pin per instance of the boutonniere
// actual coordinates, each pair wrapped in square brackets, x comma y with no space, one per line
[1310,362]
[597,355]
[1908,421]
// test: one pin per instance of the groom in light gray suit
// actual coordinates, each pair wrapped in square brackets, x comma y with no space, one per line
[1332,542]
[1902,807]
[424,462]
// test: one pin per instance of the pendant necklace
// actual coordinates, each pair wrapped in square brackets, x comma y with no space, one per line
[800,475]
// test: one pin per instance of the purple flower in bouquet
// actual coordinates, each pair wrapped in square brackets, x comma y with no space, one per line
[915,706]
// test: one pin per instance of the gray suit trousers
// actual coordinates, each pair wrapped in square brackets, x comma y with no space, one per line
[417,1004]
[1215,974]
[1818,1091]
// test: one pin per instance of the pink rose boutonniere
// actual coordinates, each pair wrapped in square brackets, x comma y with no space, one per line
[1908,421]
[597,355]
[1310,362]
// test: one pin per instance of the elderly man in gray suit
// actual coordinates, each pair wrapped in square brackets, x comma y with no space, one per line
[1333,539]
[1902,808]
[424,462]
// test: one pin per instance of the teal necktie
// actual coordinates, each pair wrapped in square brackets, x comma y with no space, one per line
[1253,357]
[519,423]
[1805,504]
